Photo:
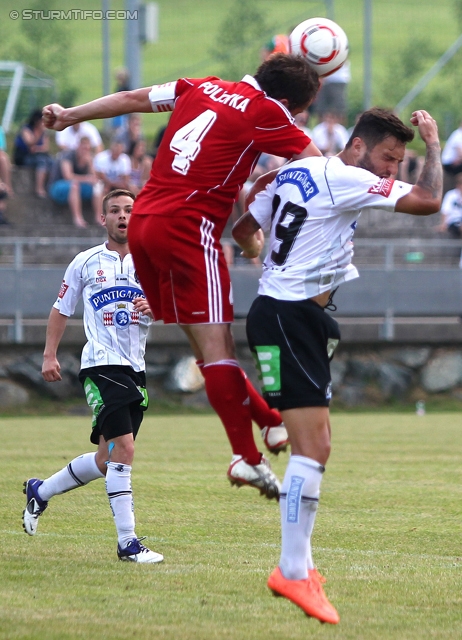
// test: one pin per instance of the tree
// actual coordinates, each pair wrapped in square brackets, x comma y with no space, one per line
[240,38]
[46,45]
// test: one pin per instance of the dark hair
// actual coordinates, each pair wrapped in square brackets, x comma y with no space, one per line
[34,117]
[376,124]
[289,77]
[116,193]
[133,144]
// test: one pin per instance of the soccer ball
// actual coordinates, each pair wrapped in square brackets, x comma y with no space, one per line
[322,42]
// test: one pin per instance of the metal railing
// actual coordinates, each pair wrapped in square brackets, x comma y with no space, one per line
[28,288]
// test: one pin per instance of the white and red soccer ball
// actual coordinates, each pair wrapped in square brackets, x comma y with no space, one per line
[322,42]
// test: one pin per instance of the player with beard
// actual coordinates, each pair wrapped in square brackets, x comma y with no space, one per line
[311,211]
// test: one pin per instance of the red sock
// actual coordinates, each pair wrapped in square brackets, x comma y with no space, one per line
[260,412]
[227,393]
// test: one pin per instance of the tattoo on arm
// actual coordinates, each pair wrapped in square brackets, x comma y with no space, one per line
[431,178]
[252,224]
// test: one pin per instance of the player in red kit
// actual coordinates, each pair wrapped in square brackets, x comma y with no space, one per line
[212,142]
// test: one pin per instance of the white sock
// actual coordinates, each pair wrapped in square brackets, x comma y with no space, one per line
[119,491]
[79,472]
[298,503]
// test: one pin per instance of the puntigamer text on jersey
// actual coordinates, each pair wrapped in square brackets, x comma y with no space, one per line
[113,294]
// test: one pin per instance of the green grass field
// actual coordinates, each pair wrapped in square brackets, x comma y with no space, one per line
[387,538]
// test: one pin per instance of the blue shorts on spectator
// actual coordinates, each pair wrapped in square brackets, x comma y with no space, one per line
[59,191]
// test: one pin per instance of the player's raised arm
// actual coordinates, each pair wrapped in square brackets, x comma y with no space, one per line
[137,101]
[426,195]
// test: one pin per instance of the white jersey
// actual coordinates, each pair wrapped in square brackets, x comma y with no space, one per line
[452,206]
[452,150]
[112,169]
[311,210]
[116,333]
[70,138]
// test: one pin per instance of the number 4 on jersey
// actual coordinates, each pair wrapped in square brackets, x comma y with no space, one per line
[186,143]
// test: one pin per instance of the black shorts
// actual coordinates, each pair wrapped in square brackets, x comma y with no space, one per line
[118,397]
[292,343]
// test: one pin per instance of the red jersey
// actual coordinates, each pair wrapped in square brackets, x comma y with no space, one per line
[216,133]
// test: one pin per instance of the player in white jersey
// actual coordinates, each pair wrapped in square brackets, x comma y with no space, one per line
[311,210]
[116,321]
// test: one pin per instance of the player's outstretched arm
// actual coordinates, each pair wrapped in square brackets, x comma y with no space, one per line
[117,104]
[249,236]
[426,195]
[55,330]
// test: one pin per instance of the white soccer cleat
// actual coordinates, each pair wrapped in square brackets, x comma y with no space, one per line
[259,476]
[275,438]
[137,552]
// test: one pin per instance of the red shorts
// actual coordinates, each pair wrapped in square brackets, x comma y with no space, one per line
[182,270]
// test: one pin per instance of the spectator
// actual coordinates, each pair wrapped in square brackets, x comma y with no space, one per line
[329,136]
[411,166]
[70,137]
[452,153]
[278,44]
[131,133]
[31,148]
[301,120]
[332,96]
[5,165]
[451,210]
[113,167]
[141,165]
[158,140]
[73,180]
[122,78]
[3,199]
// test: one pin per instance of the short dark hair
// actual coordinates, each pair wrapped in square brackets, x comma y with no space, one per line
[34,117]
[284,76]
[116,193]
[376,124]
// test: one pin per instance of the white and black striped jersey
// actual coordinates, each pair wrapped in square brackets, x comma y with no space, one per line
[116,333]
[311,210]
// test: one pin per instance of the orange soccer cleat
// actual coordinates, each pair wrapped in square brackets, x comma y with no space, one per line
[307,594]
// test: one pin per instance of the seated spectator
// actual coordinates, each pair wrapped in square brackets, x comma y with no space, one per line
[451,210]
[451,156]
[5,165]
[332,95]
[158,140]
[329,136]
[31,148]
[3,199]
[113,167]
[301,120]
[73,180]
[69,138]
[141,165]
[122,77]
[411,166]
[131,132]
